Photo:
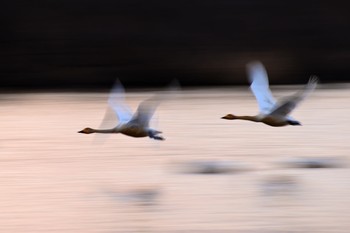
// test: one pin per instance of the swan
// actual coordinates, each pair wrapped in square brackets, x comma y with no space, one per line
[134,125]
[271,112]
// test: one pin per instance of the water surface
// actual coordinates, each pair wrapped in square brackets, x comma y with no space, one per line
[56,180]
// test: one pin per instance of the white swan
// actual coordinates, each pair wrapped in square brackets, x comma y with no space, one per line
[271,112]
[134,125]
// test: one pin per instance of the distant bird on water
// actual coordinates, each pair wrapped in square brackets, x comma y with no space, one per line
[271,112]
[134,125]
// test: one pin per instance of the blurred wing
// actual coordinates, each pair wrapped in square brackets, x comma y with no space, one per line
[260,87]
[145,111]
[288,105]
[309,87]
[172,88]
[109,121]
[116,101]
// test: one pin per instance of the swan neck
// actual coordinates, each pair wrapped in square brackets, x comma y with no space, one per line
[248,118]
[113,130]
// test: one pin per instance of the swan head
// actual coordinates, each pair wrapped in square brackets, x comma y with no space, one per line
[229,117]
[87,131]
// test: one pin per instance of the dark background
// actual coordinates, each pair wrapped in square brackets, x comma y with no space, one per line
[88,44]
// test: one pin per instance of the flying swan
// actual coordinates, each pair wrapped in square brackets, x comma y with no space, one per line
[134,125]
[271,112]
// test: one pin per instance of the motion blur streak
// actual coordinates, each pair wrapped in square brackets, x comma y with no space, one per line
[54,180]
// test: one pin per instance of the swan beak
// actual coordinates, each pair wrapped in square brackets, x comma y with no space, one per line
[81,131]
[228,117]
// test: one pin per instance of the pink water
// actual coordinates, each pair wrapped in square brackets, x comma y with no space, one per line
[56,180]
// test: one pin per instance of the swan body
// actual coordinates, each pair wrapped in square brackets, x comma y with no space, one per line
[133,125]
[132,130]
[271,112]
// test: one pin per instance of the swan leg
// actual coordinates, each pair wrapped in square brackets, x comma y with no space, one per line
[157,138]
[154,134]
[292,122]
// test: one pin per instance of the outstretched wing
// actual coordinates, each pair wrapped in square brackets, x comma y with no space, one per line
[145,111]
[146,108]
[260,86]
[116,111]
[116,101]
[288,105]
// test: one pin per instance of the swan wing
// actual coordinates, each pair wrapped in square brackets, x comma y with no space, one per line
[145,111]
[116,101]
[260,86]
[289,104]
[146,108]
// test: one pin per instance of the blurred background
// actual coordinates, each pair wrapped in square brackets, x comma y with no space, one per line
[88,43]
[59,59]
